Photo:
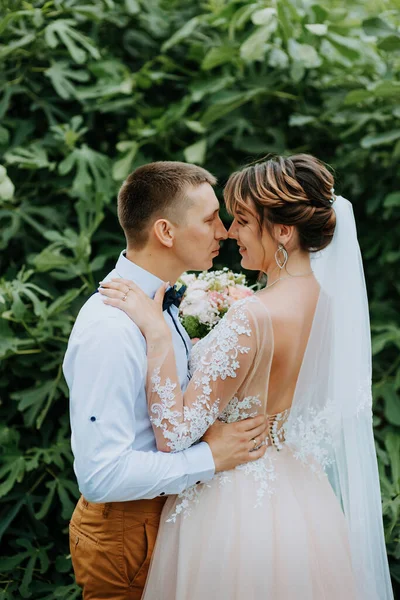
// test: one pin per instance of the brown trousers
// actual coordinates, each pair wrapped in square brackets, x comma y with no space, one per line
[111,546]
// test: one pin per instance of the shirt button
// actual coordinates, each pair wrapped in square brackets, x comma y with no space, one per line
[162,494]
[92,418]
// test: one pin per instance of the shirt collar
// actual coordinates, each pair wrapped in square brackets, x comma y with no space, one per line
[127,269]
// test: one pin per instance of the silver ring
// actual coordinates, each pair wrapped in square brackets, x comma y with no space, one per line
[255,443]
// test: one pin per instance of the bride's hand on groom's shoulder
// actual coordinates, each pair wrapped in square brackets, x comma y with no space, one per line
[144,311]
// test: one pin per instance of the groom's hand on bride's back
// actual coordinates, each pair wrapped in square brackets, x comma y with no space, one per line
[232,443]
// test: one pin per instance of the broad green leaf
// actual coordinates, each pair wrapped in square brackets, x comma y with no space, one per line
[123,166]
[392,405]
[62,78]
[196,152]
[33,157]
[304,54]
[227,104]
[182,34]
[380,139]
[392,200]
[377,27]
[217,56]
[357,96]
[14,46]
[264,16]
[317,28]
[254,48]
[132,6]
[300,120]
[391,43]
[78,45]
[278,58]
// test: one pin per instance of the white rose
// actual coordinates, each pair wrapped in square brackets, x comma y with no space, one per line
[188,278]
[199,285]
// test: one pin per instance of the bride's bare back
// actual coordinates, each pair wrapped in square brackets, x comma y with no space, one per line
[291,304]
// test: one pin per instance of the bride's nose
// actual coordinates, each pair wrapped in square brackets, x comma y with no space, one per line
[232,231]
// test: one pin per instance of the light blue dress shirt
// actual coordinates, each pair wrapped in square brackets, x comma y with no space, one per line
[105,367]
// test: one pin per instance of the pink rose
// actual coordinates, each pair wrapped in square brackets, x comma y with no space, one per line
[217,298]
[238,292]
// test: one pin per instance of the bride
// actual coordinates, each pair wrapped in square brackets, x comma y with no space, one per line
[305,520]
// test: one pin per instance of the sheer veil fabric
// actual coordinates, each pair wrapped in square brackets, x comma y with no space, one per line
[334,386]
[304,521]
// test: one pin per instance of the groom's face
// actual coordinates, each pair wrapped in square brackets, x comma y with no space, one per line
[201,230]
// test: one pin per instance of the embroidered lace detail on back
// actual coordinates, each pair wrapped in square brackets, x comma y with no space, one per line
[263,470]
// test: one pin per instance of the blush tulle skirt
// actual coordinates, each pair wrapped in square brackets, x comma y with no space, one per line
[292,545]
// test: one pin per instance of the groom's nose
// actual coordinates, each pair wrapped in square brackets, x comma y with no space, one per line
[222,233]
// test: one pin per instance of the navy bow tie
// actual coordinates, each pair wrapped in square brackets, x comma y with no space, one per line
[173,296]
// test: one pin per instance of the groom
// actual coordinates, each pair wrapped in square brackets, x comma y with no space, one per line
[170,217]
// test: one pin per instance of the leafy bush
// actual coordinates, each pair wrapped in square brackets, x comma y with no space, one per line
[91,90]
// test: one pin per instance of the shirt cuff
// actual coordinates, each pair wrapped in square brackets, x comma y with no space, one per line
[201,466]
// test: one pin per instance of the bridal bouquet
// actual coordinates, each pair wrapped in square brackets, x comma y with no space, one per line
[208,297]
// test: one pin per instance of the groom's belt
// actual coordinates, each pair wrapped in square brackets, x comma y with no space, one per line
[154,505]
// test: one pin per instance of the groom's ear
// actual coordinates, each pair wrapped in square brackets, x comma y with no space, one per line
[164,232]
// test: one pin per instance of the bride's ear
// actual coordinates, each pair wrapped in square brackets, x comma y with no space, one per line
[285,235]
[164,232]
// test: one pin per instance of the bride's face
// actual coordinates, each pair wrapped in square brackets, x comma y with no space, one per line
[256,246]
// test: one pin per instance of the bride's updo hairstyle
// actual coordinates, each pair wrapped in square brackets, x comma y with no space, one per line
[288,191]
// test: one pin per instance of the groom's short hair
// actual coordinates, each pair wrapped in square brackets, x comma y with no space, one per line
[154,191]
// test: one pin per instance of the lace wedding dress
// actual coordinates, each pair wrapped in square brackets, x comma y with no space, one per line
[305,520]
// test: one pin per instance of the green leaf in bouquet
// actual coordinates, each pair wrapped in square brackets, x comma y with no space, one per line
[77,44]
[194,328]
[63,78]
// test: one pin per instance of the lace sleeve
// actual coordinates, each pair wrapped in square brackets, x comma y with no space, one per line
[227,356]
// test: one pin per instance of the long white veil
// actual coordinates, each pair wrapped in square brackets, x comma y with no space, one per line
[331,415]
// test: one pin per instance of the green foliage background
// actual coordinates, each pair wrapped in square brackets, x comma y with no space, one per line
[92,88]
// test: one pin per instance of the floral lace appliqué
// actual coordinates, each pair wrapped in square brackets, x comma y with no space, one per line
[311,439]
[219,362]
